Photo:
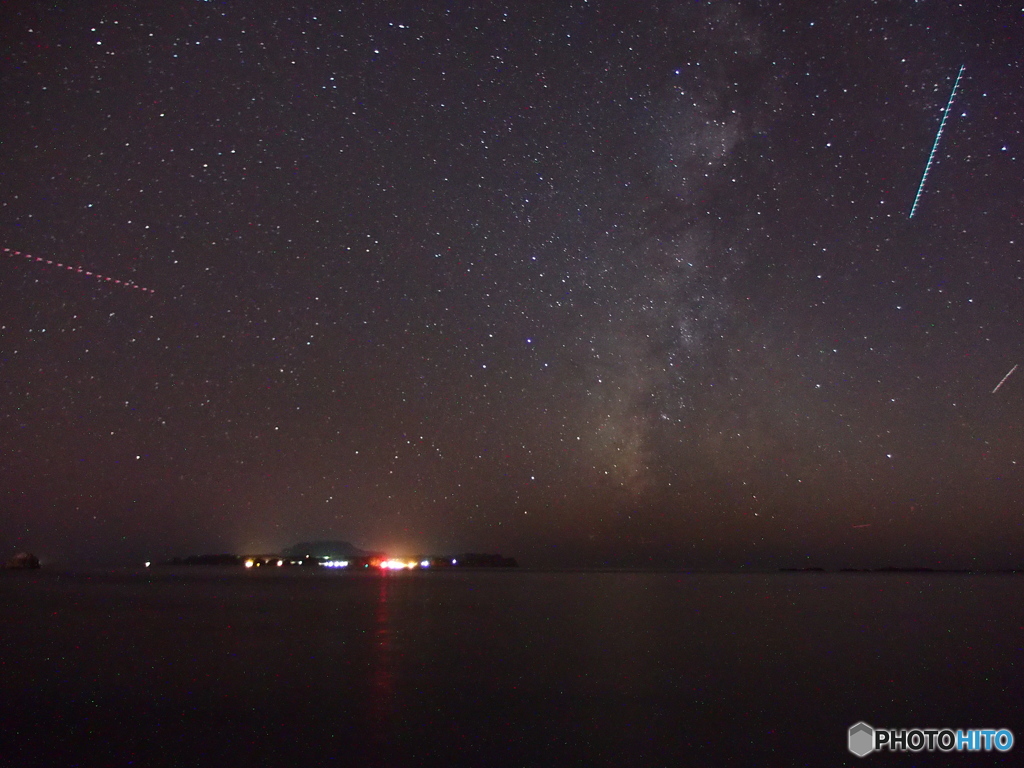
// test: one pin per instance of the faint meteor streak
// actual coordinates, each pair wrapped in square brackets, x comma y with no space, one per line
[1004,379]
[864,525]
[77,269]
[935,146]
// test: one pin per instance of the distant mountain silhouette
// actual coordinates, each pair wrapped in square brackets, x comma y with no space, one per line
[23,561]
[332,550]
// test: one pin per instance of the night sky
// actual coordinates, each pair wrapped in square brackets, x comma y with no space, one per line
[579,282]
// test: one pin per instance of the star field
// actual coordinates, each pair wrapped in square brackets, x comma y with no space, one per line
[575,281]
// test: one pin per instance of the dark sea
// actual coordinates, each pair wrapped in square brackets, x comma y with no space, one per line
[219,667]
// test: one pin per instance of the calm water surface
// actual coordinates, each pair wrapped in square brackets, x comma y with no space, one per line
[220,667]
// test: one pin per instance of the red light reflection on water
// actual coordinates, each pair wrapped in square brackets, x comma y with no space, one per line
[382,678]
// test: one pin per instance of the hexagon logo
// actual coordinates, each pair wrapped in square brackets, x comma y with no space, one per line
[861,739]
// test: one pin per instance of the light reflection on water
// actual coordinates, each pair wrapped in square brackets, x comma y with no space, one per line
[382,675]
[498,668]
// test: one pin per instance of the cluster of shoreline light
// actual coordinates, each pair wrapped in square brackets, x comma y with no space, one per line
[391,564]
[398,565]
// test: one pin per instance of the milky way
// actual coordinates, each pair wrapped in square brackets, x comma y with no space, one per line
[577,282]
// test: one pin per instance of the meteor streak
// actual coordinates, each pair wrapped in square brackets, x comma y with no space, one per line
[935,146]
[78,270]
[1004,379]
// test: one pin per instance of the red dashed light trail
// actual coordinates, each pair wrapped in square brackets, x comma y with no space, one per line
[77,269]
